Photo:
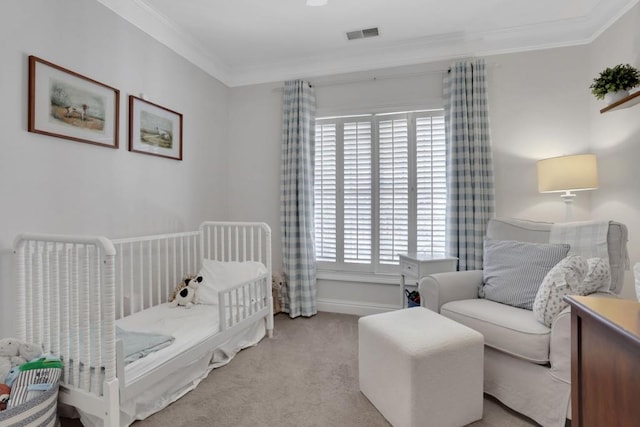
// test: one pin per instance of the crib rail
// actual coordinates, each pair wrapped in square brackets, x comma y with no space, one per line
[236,241]
[243,301]
[241,241]
[66,300]
[148,268]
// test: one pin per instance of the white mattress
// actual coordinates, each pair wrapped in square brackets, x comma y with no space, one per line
[189,326]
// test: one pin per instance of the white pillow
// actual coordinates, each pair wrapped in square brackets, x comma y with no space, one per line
[564,279]
[219,275]
[597,278]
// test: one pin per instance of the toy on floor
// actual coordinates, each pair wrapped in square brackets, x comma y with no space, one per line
[185,295]
[5,391]
[31,379]
[277,285]
[14,352]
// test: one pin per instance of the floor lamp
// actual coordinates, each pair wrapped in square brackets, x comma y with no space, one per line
[566,174]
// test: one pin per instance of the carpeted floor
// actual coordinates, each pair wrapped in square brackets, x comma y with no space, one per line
[306,375]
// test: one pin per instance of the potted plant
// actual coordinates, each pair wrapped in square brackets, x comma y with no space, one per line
[614,83]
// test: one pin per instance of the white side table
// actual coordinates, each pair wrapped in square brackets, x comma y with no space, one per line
[416,265]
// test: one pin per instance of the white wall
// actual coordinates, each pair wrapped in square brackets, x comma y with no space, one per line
[615,137]
[255,123]
[54,185]
[538,108]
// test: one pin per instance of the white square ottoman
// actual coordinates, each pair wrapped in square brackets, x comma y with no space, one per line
[419,368]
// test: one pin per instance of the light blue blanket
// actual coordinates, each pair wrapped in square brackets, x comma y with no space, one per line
[139,344]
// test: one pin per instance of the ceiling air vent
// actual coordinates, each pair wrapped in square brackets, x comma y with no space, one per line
[363,34]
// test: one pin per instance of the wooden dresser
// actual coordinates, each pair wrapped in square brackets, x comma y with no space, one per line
[605,361]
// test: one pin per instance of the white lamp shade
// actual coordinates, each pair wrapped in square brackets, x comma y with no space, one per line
[568,173]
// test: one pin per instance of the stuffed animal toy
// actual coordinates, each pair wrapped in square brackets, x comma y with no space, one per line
[5,391]
[5,367]
[181,285]
[186,293]
[277,283]
[29,351]
[9,349]
[16,353]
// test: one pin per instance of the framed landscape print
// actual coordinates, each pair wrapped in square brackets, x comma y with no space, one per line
[154,129]
[68,105]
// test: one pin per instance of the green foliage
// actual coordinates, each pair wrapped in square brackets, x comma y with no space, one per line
[620,77]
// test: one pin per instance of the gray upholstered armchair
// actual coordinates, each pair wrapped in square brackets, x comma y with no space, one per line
[527,364]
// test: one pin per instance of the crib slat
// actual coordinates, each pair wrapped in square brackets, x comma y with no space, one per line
[46,295]
[186,243]
[120,266]
[182,257]
[98,302]
[166,270]
[223,254]
[244,302]
[237,243]
[175,260]
[131,281]
[208,245]
[148,285]
[64,305]
[108,329]
[55,301]
[229,246]
[140,283]
[84,313]
[75,313]
[194,265]
[31,292]
[19,252]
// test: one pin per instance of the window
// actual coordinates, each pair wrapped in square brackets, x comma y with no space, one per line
[380,189]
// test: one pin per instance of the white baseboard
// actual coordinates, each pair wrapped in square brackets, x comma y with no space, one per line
[353,307]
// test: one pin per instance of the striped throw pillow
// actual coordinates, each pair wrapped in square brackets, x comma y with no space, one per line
[513,271]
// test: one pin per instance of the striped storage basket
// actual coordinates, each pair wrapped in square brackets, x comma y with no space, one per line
[35,399]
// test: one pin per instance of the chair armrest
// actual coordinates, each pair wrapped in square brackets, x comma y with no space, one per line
[441,288]
[560,344]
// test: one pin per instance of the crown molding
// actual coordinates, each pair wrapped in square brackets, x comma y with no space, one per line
[163,29]
[611,11]
[561,33]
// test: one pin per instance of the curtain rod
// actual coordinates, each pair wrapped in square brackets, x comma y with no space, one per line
[344,81]
[340,82]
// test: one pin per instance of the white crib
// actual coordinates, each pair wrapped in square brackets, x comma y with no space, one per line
[72,290]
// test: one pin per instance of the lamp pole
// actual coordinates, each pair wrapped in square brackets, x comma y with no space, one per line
[568,197]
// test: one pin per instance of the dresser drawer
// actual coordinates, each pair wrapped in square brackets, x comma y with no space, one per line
[410,269]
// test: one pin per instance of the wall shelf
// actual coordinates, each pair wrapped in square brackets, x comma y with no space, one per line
[626,102]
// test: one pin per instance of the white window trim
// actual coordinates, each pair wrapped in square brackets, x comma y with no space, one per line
[360,277]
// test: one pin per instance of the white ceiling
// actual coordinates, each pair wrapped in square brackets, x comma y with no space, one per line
[243,42]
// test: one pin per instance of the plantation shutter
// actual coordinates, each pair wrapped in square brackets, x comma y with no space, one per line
[393,165]
[380,189]
[325,192]
[431,184]
[357,191]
